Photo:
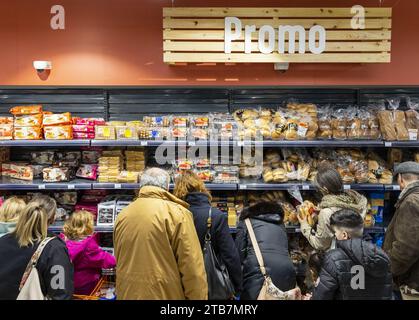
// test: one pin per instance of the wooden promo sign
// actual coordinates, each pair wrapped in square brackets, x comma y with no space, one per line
[275,35]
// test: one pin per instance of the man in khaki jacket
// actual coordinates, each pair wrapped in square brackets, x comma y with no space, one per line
[156,246]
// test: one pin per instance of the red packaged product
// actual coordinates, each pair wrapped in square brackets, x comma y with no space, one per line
[92,208]
[83,128]
[83,135]
[89,121]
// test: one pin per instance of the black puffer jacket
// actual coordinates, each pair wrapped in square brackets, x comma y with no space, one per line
[273,243]
[336,277]
[222,240]
[13,262]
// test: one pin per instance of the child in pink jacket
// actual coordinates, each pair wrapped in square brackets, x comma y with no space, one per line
[86,255]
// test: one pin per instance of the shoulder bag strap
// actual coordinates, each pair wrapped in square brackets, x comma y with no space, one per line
[255,246]
[209,224]
[34,260]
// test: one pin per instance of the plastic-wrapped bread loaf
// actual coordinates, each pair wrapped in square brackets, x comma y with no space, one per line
[400,124]
[387,125]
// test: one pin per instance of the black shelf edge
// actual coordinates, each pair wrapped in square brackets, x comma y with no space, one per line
[103,229]
[303,186]
[44,143]
[401,144]
[392,187]
[315,143]
[377,229]
[115,186]
[14,184]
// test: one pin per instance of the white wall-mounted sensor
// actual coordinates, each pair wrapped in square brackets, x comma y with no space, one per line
[41,66]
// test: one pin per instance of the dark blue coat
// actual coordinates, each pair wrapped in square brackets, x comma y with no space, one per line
[222,240]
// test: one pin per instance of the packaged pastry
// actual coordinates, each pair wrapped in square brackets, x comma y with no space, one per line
[226,174]
[57,119]
[246,114]
[224,127]
[325,125]
[364,124]
[20,110]
[291,132]
[307,210]
[180,121]
[88,121]
[31,120]
[369,220]
[68,156]
[43,157]
[83,135]
[116,123]
[339,124]
[179,133]
[28,133]
[87,171]
[374,125]
[66,198]
[205,175]
[6,132]
[53,174]
[395,156]
[6,120]
[184,164]
[198,133]
[90,156]
[58,133]
[200,121]
[157,121]
[280,175]
[393,122]
[128,177]
[202,163]
[126,133]
[353,124]
[105,133]
[83,128]
[412,118]
[21,172]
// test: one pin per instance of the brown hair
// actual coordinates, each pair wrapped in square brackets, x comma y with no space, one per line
[11,209]
[188,182]
[328,180]
[33,223]
[79,225]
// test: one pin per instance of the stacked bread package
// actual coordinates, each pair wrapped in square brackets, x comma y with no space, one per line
[27,122]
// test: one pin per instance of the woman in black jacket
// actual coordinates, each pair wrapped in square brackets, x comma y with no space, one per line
[191,189]
[16,249]
[267,222]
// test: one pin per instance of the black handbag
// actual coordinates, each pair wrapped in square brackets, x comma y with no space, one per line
[220,286]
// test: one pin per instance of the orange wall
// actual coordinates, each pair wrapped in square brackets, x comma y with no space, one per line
[119,42]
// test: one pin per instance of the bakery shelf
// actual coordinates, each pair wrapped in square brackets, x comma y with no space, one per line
[14,184]
[44,143]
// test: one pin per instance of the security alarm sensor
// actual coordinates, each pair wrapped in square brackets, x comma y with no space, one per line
[282,66]
[41,66]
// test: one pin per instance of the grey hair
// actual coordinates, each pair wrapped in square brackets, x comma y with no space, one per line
[155,177]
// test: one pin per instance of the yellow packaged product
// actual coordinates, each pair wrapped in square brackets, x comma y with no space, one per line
[28,120]
[58,133]
[105,133]
[28,133]
[56,119]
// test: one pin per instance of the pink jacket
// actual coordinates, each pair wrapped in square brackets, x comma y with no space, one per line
[88,260]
